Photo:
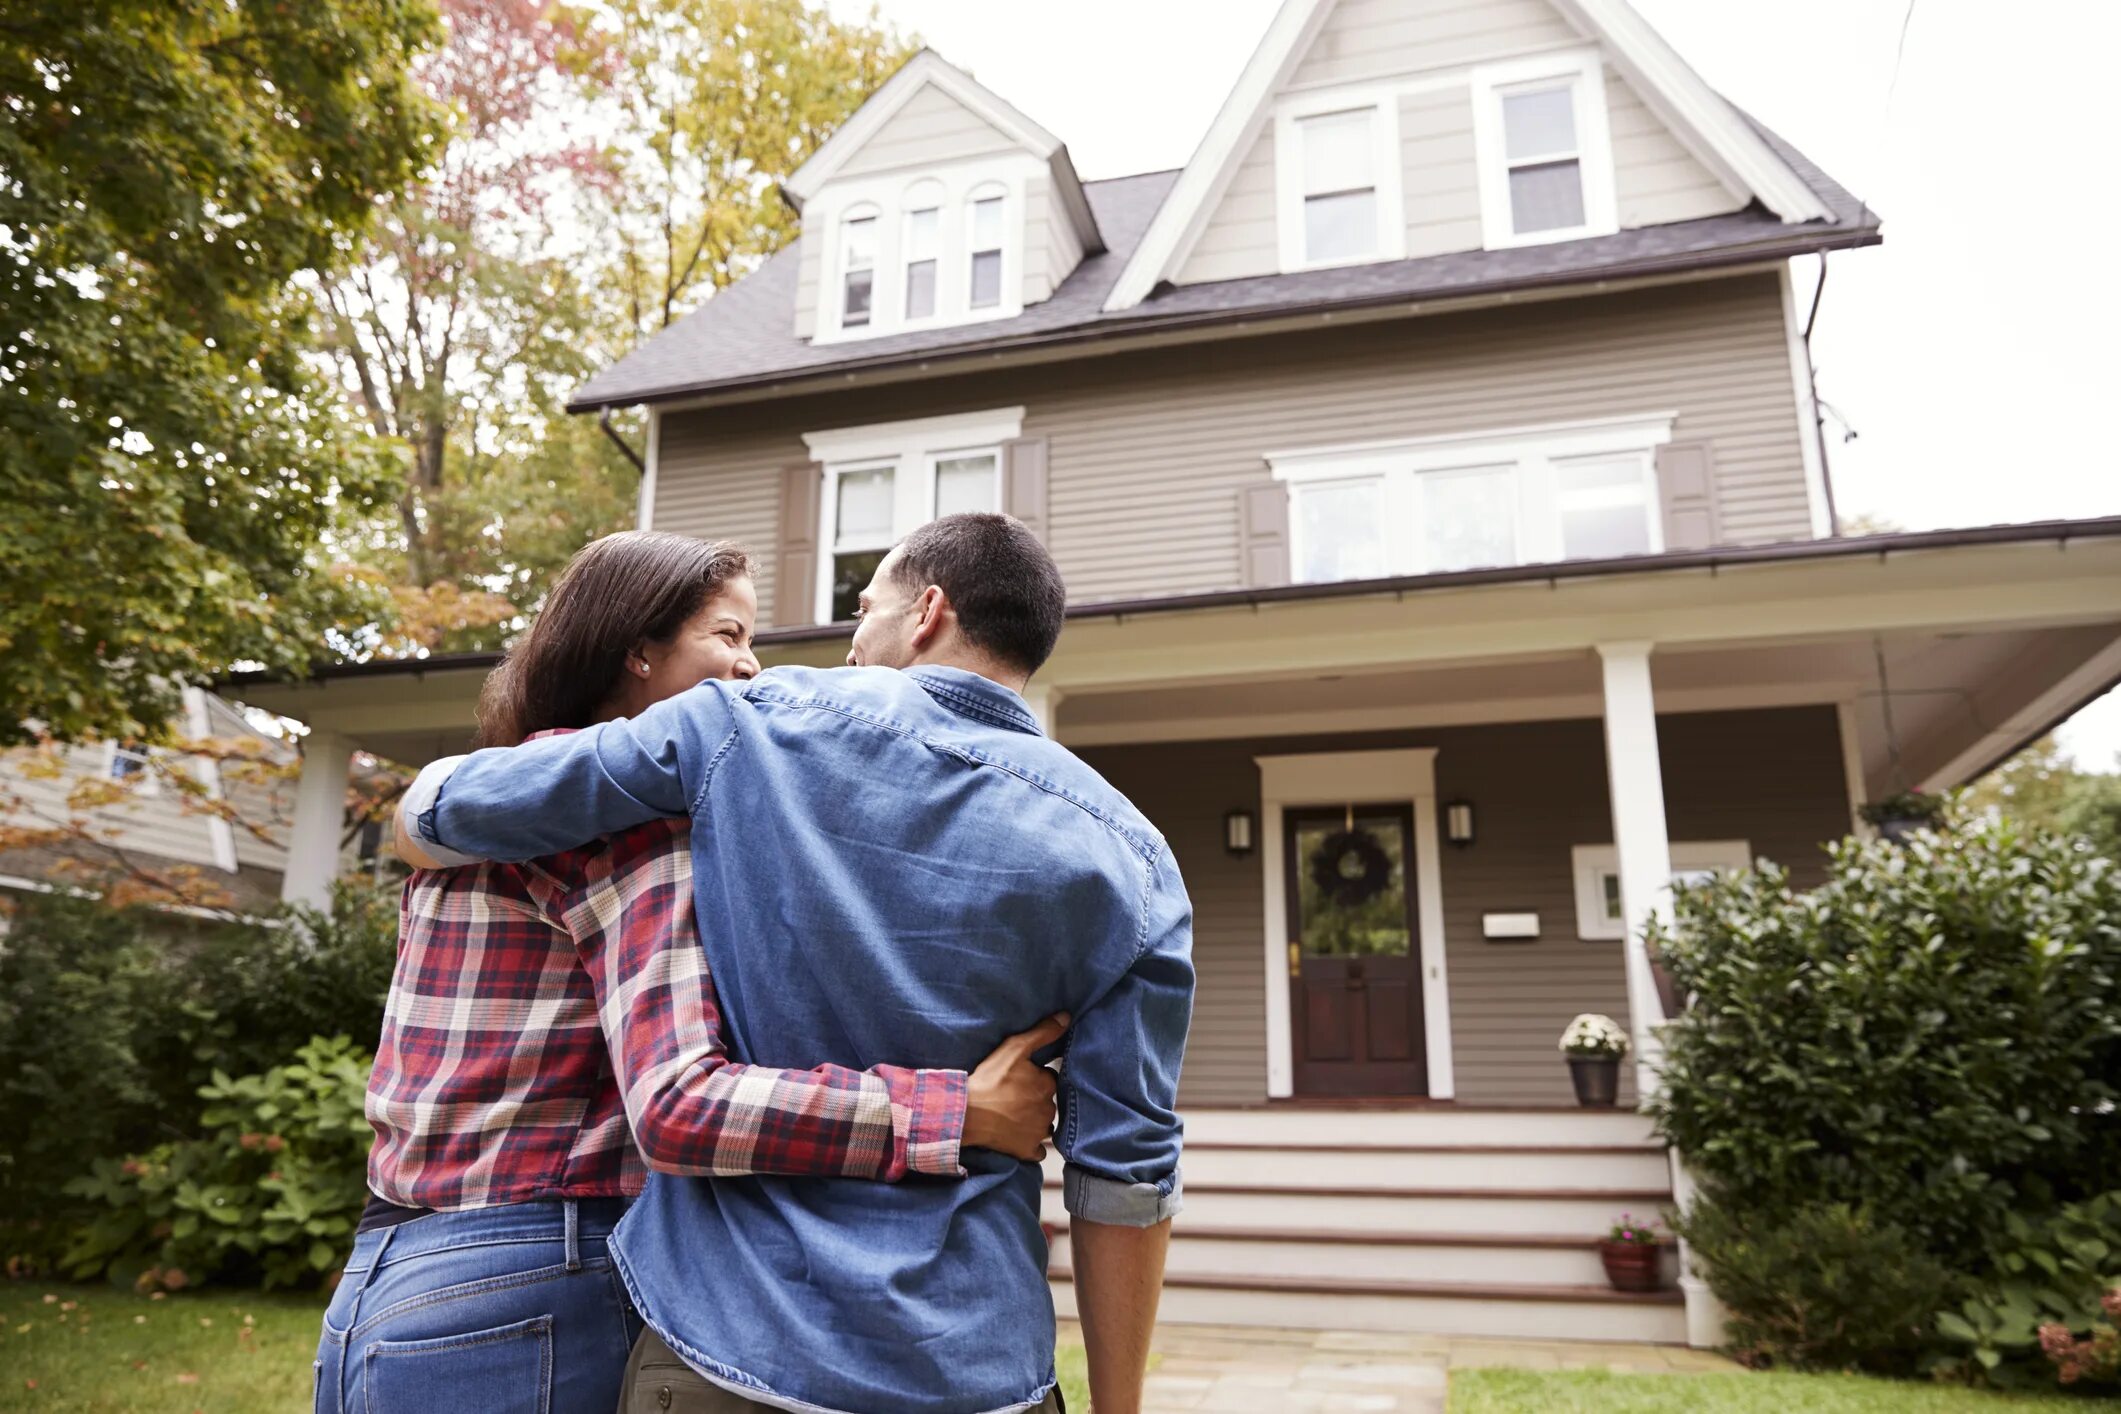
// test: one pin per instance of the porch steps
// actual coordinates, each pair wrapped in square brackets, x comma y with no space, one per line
[1435,1221]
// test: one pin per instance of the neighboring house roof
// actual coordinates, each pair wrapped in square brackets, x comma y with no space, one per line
[928,69]
[744,338]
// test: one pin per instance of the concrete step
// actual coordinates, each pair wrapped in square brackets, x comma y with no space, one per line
[1427,1167]
[1427,1308]
[1484,1259]
[1279,1126]
[1505,1212]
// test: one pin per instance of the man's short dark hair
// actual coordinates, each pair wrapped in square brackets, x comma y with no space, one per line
[1006,589]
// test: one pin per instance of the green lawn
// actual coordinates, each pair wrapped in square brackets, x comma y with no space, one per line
[92,1348]
[1601,1392]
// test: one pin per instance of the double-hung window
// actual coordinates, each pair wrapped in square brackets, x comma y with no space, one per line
[984,217]
[857,268]
[884,481]
[1545,153]
[125,762]
[1337,179]
[1579,491]
[923,238]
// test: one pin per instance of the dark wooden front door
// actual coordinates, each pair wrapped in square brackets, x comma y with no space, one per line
[1354,968]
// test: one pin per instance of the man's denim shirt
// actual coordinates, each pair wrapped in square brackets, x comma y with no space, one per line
[891,868]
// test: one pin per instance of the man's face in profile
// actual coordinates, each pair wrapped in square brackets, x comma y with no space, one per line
[883,631]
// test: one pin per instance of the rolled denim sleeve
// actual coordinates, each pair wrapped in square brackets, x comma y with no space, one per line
[1120,1129]
[521,802]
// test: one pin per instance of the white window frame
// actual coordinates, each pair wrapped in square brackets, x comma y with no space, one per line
[1590,865]
[1585,71]
[1533,451]
[147,781]
[872,213]
[911,450]
[893,196]
[1386,164]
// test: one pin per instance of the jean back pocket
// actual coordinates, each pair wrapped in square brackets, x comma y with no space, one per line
[506,1370]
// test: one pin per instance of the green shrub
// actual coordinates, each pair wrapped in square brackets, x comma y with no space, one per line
[1821,1286]
[271,1191]
[2048,1276]
[112,1019]
[1933,1037]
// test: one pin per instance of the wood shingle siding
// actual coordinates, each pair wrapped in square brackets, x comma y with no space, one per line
[1149,452]
[1771,777]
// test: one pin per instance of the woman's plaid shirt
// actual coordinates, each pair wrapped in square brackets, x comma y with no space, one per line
[541,1010]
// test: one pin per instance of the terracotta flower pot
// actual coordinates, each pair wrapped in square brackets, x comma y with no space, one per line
[1631,1266]
[1597,1080]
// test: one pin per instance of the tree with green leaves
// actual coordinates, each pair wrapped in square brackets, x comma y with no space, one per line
[170,464]
[718,102]
[2043,787]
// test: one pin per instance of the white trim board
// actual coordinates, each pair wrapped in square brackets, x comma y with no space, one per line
[1371,777]
[1810,434]
[1697,115]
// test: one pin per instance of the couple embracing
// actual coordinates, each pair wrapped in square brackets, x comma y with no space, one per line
[713,1076]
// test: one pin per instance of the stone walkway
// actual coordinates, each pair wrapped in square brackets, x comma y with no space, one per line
[1247,1370]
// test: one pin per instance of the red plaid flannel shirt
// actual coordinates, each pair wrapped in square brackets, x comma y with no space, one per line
[541,1010]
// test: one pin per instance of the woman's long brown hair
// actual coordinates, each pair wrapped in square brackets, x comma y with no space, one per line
[639,586]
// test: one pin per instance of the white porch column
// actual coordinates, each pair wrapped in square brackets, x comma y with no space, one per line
[1636,778]
[1635,772]
[1044,700]
[320,818]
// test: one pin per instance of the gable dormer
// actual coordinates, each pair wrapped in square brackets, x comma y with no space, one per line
[1365,131]
[936,204]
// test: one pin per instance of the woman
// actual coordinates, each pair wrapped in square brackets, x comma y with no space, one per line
[552,1027]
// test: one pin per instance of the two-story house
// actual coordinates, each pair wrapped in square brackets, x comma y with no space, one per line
[1434,465]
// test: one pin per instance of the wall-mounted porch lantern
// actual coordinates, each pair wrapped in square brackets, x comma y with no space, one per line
[1458,822]
[1237,832]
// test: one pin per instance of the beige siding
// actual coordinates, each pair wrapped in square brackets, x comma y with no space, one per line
[1655,179]
[1149,451]
[931,129]
[1770,777]
[156,825]
[1438,172]
[1240,239]
[809,256]
[1374,39]
[1052,249]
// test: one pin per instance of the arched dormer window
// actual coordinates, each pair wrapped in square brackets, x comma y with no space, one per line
[921,247]
[858,230]
[984,211]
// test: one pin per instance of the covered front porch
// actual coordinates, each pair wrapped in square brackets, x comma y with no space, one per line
[1506,769]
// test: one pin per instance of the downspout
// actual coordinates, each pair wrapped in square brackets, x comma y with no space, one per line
[626,448]
[1811,373]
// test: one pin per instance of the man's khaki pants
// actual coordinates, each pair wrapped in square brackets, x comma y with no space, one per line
[656,1381]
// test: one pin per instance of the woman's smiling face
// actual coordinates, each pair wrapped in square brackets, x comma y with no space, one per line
[713,643]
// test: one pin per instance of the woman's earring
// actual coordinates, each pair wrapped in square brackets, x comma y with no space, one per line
[641,668]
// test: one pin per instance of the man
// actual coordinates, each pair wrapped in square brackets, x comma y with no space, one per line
[892,867]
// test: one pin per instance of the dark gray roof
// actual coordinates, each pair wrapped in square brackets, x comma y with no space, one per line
[745,336]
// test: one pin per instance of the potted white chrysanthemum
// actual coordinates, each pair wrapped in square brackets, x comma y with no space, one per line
[1594,1045]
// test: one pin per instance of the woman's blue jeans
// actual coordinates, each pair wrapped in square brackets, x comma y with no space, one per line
[508,1310]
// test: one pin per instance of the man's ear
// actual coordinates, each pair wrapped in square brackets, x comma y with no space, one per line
[931,614]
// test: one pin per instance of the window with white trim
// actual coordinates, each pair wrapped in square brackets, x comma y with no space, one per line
[922,245]
[1581,491]
[1340,186]
[132,764]
[984,240]
[1600,916]
[857,267]
[1545,151]
[884,481]
[1337,178]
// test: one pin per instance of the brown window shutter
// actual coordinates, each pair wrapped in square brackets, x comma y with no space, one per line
[795,558]
[1686,484]
[1024,483]
[1265,516]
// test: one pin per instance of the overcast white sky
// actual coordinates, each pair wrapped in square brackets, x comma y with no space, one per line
[1975,353]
